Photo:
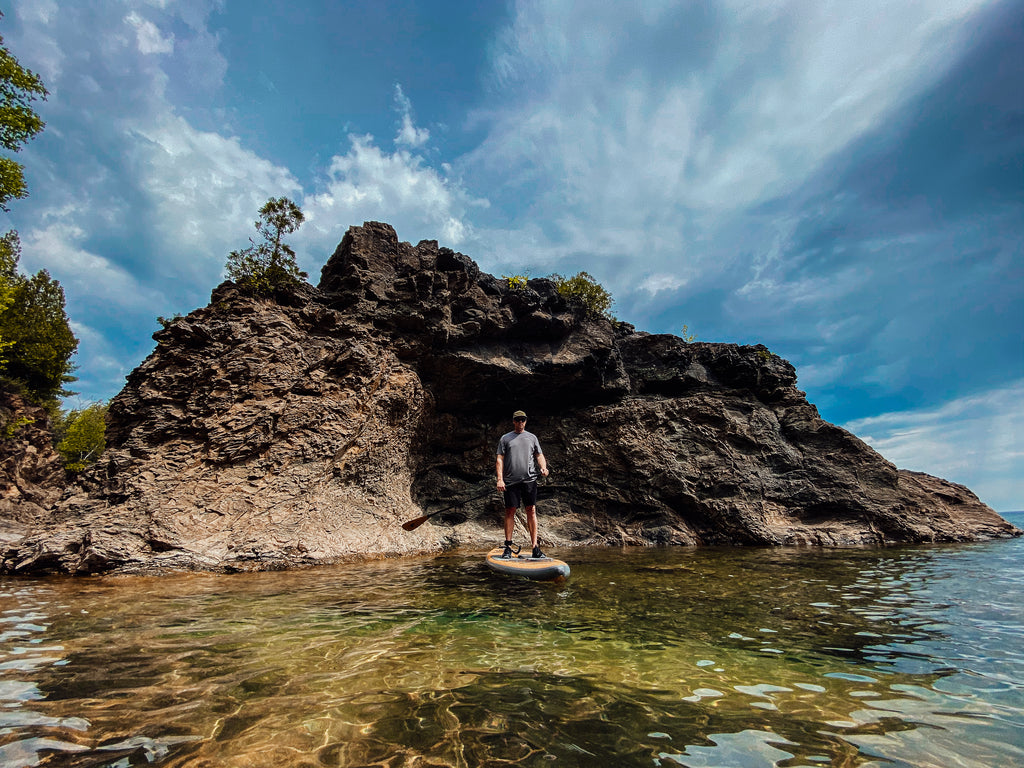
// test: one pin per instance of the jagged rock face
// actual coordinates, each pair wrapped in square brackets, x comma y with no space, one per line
[32,474]
[268,434]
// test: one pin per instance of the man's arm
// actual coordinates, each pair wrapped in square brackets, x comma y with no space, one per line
[499,468]
[541,462]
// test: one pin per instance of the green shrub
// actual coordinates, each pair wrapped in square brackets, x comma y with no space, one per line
[583,290]
[12,427]
[167,322]
[84,437]
[516,282]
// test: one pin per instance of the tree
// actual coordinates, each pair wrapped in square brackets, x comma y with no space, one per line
[84,436]
[266,266]
[19,123]
[10,249]
[35,328]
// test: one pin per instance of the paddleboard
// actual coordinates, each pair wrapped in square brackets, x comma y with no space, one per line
[539,568]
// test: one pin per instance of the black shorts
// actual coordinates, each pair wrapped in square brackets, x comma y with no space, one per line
[524,493]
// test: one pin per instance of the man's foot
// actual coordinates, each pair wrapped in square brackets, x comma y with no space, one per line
[507,554]
[537,553]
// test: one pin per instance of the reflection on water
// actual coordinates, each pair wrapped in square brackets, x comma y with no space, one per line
[647,657]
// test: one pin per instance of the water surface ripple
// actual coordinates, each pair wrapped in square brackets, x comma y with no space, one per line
[645,657]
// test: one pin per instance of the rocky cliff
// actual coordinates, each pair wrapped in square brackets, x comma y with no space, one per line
[270,434]
[32,476]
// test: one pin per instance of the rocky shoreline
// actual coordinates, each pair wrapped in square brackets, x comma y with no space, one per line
[267,434]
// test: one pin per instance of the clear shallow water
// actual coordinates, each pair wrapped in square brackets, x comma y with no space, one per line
[646,657]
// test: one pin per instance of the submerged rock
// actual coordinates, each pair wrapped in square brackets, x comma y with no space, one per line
[270,434]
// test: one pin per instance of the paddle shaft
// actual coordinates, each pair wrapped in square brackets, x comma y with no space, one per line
[421,520]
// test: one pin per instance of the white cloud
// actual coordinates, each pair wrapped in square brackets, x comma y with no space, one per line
[148,36]
[205,190]
[86,276]
[798,81]
[657,283]
[408,134]
[46,56]
[368,183]
[676,118]
[976,440]
[108,364]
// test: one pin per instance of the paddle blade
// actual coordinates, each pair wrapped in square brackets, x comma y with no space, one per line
[414,524]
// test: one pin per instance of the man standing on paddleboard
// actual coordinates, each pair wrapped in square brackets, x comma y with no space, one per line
[519,456]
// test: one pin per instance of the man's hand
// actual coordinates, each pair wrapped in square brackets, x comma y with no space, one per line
[501,485]
[544,471]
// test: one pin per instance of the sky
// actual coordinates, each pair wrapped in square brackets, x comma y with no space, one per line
[841,181]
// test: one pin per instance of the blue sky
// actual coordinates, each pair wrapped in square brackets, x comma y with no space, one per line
[841,181]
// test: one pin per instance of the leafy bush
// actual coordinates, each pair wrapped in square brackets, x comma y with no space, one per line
[84,436]
[11,428]
[582,289]
[516,282]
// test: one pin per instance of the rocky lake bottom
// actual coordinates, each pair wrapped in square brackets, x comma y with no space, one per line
[910,656]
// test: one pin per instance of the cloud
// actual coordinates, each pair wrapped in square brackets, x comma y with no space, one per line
[203,192]
[657,283]
[656,133]
[707,109]
[148,36]
[973,440]
[408,134]
[87,277]
[108,361]
[368,183]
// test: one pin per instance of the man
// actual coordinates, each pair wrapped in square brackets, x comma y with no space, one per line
[519,456]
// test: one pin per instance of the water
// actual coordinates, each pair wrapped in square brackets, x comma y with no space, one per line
[646,657]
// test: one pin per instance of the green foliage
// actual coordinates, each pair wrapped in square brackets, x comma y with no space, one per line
[263,267]
[11,428]
[765,355]
[686,336]
[166,322]
[584,290]
[84,436]
[34,329]
[10,249]
[516,282]
[19,123]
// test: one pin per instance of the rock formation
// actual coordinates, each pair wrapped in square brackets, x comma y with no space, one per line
[278,433]
[32,474]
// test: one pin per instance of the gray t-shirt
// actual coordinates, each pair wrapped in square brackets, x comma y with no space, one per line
[518,452]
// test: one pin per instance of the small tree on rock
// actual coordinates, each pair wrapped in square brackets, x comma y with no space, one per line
[263,267]
[84,437]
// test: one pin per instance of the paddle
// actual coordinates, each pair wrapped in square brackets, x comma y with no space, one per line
[414,524]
